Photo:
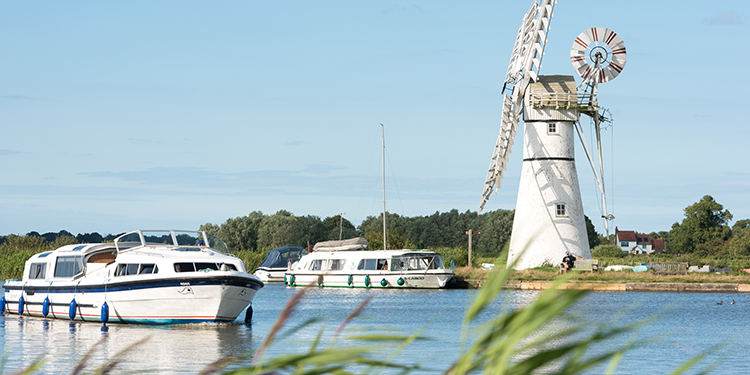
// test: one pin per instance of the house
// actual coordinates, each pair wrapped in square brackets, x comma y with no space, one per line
[637,243]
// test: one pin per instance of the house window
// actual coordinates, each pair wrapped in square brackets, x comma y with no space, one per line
[560,210]
[552,128]
[624,244]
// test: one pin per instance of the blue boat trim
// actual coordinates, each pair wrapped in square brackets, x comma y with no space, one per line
[141,284]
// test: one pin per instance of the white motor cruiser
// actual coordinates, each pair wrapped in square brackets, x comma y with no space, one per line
[421,269]
[154,277]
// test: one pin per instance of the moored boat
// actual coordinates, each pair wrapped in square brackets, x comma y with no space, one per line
[277,262]
[154,277]
[420,269]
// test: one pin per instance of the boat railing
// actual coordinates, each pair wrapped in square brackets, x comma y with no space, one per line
[179,239]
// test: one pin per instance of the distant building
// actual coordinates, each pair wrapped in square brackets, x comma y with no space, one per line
[637,243]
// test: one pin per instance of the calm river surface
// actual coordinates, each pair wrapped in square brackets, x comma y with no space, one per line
[689,324]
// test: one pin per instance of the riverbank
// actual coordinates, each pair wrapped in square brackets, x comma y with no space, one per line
[617,287]
[625,281]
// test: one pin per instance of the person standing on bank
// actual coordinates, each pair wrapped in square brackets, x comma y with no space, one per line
[569,261]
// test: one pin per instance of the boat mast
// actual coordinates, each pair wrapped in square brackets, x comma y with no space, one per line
[385,241]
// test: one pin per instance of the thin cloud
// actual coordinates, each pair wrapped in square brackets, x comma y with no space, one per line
[321,169]
[19,97]
[403,9]
[5,152]
[295,142]
[726,18]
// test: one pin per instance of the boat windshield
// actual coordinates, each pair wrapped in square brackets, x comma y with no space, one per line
[408,262]
[185,240]
[282,256]
[216,243]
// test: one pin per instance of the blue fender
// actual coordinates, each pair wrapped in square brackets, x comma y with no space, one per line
[105,312]
[72,309]
[45,307]
[20,305]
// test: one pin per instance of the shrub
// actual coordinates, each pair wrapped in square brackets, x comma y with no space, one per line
[611,251]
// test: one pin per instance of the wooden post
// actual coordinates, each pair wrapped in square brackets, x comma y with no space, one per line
[470,232]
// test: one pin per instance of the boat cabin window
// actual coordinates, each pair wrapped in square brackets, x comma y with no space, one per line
[336,265]
[38,271]
[184,267]
[373,264]
[316,265]
[127,269]
[205,266]
[68,266]
[148,269]
[417,262]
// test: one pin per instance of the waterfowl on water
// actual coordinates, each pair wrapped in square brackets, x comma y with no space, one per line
[720,303]
[732,303]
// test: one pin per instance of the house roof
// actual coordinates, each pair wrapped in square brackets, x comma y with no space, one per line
[658,245]
[626,235]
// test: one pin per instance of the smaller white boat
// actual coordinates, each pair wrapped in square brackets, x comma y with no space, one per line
[277,262]
[420,269]
[154,277]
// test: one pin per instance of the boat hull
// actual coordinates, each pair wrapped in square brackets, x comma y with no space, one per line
[271,275]
[215,298]
[387,280]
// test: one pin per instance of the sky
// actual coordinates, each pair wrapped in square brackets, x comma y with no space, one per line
[125,115]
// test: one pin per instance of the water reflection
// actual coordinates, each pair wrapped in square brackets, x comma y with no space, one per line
[166,349]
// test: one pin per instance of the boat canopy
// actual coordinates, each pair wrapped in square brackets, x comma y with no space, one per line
[357,243]
[282,256]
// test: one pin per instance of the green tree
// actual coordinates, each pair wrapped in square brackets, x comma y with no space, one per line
[338,227]
[739,245]
[310,230]
[279,230]
[705,221]
[495,227]
[240,233]
[594,238]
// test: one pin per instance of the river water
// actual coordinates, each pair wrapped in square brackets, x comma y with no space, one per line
[687,325]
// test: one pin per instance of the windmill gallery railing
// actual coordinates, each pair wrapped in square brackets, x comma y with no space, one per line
[582,101]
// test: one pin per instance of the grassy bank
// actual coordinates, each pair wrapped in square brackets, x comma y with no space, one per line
[549,274]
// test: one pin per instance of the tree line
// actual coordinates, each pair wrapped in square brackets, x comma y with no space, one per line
[258,231]
[704,231]
[437,231]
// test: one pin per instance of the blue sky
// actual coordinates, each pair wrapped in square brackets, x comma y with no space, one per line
[117,116]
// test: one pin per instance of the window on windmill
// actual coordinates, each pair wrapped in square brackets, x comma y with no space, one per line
[560,210]
[552,128]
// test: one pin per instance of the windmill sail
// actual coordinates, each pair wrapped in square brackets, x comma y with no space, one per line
[524,66]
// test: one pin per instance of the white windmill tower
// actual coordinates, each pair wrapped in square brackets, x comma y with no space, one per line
[549,217]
